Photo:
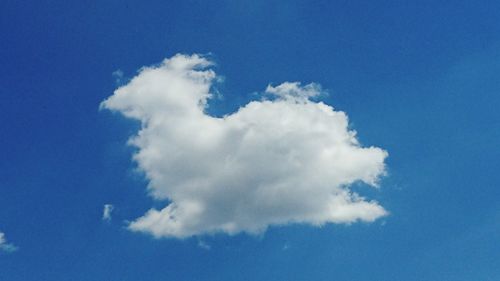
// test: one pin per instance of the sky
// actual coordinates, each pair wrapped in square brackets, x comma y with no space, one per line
[258,140]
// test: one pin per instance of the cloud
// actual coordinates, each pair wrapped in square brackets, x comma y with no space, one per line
[106,212]
[273,162]
[4,246]
[294,91]
[118,75]
[204,245]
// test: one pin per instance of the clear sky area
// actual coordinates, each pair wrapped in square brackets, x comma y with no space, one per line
[249,140]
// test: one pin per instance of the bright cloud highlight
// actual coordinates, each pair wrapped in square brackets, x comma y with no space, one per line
[273,162]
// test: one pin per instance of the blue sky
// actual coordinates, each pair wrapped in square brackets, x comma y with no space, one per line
[418,79]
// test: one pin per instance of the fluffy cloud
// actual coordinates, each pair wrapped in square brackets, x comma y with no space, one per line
[106,212]
[273,162]
[4,246]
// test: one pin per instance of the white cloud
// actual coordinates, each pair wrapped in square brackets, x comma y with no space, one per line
[4,246]
[293,90]
[106,212]
[273,162]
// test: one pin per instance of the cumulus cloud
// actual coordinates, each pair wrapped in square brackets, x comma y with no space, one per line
[106,212]
[272,162]
[4,246]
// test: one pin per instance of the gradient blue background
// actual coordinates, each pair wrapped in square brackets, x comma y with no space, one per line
[418,78]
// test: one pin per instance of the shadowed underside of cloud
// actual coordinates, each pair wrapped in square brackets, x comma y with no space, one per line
[273,162]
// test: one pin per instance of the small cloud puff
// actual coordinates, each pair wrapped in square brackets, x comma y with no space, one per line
[4,246]
[294,91]
[204,245]
[118,75]
[106,212]
[273,162]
